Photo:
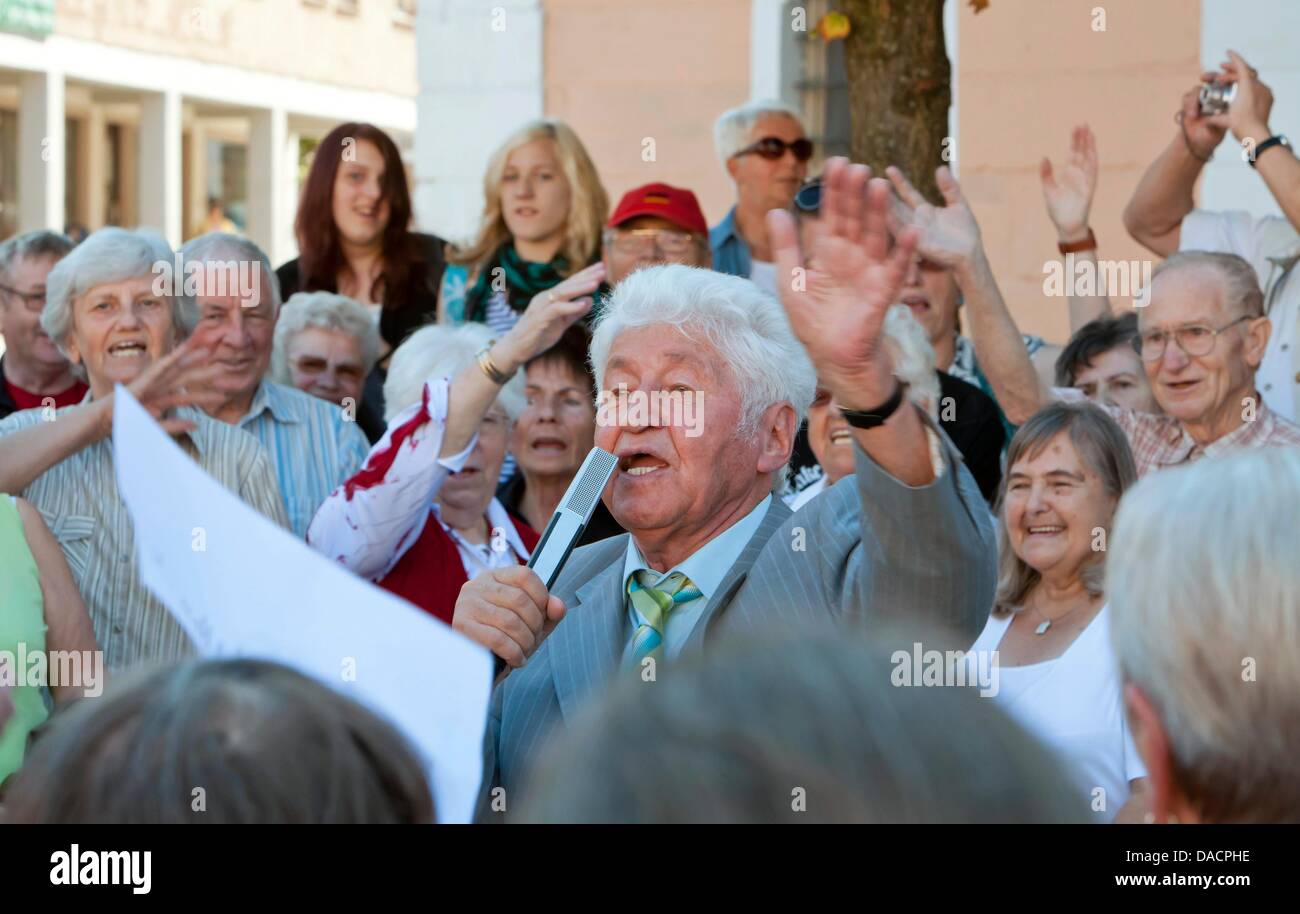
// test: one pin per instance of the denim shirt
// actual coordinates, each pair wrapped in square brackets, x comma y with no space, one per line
[730,251]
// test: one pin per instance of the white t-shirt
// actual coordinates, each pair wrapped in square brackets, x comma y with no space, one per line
[1074,705]
[763,273]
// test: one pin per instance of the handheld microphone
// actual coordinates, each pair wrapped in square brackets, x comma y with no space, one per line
[571,517]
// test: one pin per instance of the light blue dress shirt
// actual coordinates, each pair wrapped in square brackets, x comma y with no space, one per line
[312,445]
[706,568]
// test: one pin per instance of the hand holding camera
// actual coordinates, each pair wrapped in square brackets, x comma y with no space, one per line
[1235,99]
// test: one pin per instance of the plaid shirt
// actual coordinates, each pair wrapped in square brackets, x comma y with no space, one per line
[1160,441]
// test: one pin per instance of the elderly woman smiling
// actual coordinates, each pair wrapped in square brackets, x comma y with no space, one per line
[325,345]
[103,312]
[1066,470]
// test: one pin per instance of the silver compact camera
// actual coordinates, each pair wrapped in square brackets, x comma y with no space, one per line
[1215,97]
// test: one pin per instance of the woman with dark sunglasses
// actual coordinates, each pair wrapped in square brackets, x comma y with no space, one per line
[764,149]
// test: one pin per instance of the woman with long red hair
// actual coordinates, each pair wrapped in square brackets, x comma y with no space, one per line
[355,239]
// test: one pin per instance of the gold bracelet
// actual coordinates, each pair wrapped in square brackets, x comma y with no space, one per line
[485,363]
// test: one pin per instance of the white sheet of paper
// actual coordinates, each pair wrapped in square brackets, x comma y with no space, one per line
[242,587]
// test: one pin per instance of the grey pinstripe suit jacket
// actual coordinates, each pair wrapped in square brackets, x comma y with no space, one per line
[921,559]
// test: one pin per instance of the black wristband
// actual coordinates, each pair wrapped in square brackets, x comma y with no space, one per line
[1276,139]
[874,418]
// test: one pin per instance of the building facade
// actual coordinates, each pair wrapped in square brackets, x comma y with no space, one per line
[642,83]
[138,113]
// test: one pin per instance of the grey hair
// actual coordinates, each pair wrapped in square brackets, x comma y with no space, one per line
[109,255]
[913,358]
[40,243]
[732,128]
[1203,578]
[727,738]
[328,311]
[441,350]
[209,248]
[1241,289]
[1102,447]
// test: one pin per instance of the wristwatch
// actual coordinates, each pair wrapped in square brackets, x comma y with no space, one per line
[1276,139]
[874,418]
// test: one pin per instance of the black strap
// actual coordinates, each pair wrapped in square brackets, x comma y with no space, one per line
[874,418]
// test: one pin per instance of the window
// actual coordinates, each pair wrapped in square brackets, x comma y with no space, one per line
[404,13]
[347,7]
[817,82]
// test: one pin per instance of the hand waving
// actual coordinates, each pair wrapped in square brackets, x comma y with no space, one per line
[949,235]
[549,314]
[837,297]
[1069,192]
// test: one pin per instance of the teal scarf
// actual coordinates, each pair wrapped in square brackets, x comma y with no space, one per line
[523,280]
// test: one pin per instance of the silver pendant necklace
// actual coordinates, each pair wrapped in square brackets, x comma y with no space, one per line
[1047,623]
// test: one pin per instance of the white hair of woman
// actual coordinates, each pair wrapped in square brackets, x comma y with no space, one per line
[110,255]
[328,311]
[732,128]
[441,350]
[1204,587]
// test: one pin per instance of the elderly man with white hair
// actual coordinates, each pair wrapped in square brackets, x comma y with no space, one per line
[314,445]
[710,550]
[765,150]
[1204,592]
[105,312]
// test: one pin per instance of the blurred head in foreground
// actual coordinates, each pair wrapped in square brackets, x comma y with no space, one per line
[802,729]
[230,741]
[1204,589]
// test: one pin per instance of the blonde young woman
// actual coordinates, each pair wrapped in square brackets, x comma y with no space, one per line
[544,207]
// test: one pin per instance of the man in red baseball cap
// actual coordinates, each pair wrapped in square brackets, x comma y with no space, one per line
[653,224]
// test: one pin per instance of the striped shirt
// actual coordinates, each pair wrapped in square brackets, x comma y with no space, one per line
[312,445]
[1159,441]
[79,499]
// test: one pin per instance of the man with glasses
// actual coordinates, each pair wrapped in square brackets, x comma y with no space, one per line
[653,224]
[765,151]
[1201,340]
[33,373]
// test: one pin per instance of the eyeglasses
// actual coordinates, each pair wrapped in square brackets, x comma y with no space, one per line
[809,197]
[644,242]
[1193,339]
[312,365]
[773,147]
[32,301]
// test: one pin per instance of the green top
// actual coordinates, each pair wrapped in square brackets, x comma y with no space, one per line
[22,622]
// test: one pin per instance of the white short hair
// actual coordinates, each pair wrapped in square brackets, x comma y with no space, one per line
[328,311]
[746,328]
[1204,588]
[441,350]
[110,255]
[218,246]
[732,128]
[913,358]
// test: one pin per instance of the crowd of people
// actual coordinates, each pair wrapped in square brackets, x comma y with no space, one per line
[884,466]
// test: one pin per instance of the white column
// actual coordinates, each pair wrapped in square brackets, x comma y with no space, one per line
[41,149]
[160,164]
[288,243]
[267,138]
[479,67]
[94,151]
[768,26]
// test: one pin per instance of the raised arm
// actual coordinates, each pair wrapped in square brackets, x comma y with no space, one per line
[370,521]
[1068,195]
[28,449]
[837,297]
[1154,216]
[950,237]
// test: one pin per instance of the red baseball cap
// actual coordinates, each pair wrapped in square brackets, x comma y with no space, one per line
[675,204]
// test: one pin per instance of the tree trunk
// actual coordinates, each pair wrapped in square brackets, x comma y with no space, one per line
[899,87]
